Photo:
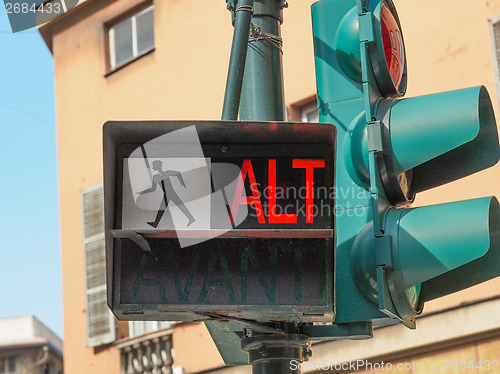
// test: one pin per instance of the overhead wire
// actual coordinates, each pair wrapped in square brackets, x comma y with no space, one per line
[27,113]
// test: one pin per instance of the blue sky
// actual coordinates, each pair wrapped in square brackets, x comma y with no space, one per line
[30,263]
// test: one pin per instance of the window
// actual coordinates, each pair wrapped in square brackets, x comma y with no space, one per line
[8,365]
[48,368]
[310,113]
[131,38]
[305,110]
[100,320]
[137,328]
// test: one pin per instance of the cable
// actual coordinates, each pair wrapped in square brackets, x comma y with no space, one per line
[256,34]
[29,114]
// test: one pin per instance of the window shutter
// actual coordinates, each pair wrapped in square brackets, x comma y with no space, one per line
[495,44]
[496,36]
[101,327]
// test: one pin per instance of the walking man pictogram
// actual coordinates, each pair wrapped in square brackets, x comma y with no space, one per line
[162,178]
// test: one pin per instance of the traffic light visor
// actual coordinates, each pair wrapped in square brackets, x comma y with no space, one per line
[434,251]
[447,247]
[443,137]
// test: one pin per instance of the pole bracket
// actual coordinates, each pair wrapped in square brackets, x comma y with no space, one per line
[273,353]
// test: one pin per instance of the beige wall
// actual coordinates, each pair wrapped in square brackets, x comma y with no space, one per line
[448,47]
[191,339]
[447,44]
[468,359]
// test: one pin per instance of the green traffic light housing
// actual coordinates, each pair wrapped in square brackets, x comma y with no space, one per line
[427,141]
[417,263]
[437,139]
[389,149]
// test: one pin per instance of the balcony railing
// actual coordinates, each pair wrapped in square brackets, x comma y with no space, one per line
[150,353]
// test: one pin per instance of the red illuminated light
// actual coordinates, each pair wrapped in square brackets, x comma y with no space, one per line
[393,45]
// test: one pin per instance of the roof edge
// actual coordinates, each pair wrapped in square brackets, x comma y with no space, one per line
[81,11]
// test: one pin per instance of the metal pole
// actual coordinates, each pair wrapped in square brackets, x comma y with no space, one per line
[262,100]
[277,354]
[242,19]
[262,96]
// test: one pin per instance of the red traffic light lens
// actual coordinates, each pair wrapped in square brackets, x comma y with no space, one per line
[392,40]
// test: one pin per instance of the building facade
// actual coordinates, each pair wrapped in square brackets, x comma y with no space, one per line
[168,59]
[27,346]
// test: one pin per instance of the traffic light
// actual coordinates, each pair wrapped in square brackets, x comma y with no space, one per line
[219,220]
[392,258]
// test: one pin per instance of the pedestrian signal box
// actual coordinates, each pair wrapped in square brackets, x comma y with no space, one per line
[220,219]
